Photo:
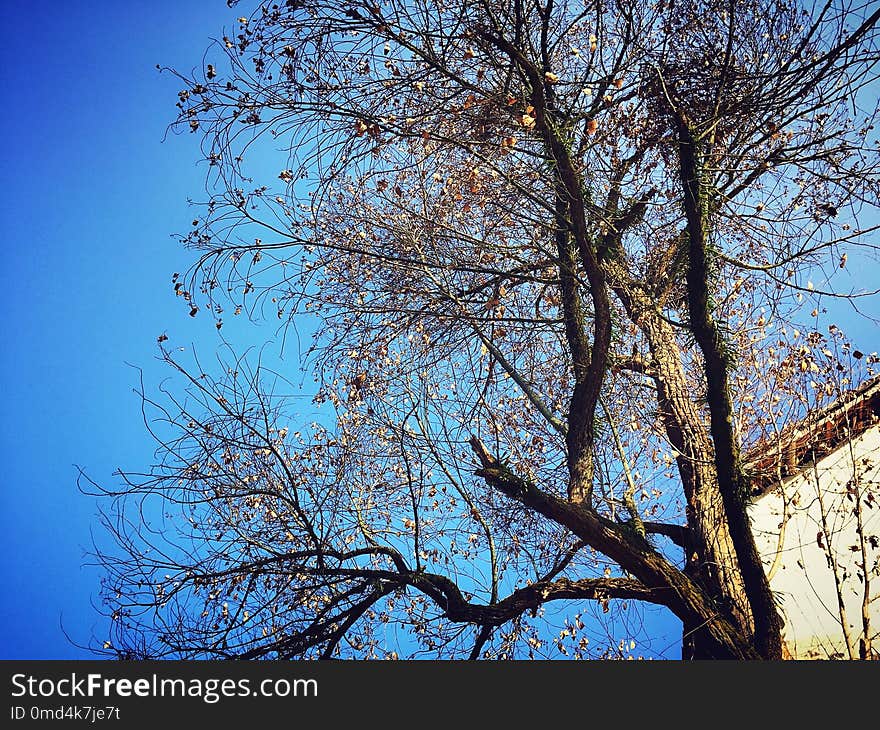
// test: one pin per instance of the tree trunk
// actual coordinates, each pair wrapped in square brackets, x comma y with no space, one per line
[731,483]
[711,560]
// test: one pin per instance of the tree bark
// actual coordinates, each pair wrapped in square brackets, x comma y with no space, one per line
[731,480]
[711,560]
[710,556]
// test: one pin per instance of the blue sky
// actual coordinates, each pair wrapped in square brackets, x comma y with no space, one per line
[91,196]
[90,199]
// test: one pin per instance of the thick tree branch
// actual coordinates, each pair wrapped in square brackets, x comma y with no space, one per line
[679,534]
[732,483]
[589,376]
[632,553]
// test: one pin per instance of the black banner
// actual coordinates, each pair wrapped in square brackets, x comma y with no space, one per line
[125,694]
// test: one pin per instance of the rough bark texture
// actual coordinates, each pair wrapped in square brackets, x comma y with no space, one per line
[712,559]
[710,555]
[731,481]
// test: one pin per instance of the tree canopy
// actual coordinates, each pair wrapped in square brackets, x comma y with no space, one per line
[561,257]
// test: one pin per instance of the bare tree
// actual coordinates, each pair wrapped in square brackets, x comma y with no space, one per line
[546,243]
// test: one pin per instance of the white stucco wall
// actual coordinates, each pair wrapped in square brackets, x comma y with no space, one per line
[803,581]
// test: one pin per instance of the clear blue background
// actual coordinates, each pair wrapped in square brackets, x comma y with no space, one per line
[90,196]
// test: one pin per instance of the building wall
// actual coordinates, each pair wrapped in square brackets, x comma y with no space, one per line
[789,531]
